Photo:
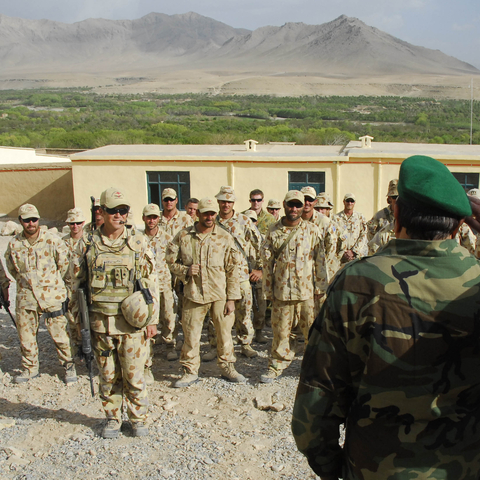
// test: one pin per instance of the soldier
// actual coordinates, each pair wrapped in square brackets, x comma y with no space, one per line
[191,207]
[75,221]
[97,216]
[4,284]
[293,277]
[205,259]
[385,215]
[247,239]
[110,263]
[38,261]
[172,220]
[158,241]
[393,354]
[352,232]
[264,219]
[381,238]
[274,207]
[324,204]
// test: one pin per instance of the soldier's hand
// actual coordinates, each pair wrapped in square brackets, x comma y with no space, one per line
[256,275]
[151,331]
[5,293]
[194,270]
[229,307]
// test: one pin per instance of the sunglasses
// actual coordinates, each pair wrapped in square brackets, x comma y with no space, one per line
[273,208]
[256,200]
[294,204]
[349,200]
[168,200]
[75,223]
[393,197]
[309,199]
[121,211]
[30,220]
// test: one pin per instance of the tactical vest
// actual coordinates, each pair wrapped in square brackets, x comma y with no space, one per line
[112,273]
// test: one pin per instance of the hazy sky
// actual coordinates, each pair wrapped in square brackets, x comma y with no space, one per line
[452,26]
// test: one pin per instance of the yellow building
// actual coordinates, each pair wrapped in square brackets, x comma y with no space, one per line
[143,171]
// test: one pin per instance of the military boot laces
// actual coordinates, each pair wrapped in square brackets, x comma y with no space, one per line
[229,373]
[140,429]
[210,355]
[248,351]
[26,375]
[70,373]
[111,429]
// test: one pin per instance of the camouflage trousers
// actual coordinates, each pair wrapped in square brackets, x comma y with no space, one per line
[121,362]
[28,322]
[192,324]
[285,316]
[166,325]
[259,315]
[243,318]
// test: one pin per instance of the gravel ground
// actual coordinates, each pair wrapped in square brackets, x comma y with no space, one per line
[211,430]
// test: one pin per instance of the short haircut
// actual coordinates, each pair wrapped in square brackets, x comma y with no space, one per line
[256,192]
[192,200]
[426,223]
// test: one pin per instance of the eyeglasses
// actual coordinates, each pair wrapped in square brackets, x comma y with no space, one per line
[256,200]
[75,223]
[30,220]
[168,200]
[294,204]
[114,211]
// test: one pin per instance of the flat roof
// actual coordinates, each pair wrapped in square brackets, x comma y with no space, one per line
[13,157]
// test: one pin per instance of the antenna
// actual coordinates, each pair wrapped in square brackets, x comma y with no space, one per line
[471,111]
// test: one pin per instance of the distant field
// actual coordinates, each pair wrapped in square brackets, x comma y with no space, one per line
[82,118]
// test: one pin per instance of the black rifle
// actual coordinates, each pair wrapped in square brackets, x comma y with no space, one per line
[93,224]
[87,350]
[6,305]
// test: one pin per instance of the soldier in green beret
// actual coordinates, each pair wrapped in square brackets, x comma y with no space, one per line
[394,354]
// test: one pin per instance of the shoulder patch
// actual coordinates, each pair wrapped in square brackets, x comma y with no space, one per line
[136,242]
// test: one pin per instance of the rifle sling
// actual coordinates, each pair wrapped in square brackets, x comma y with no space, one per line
[285,243]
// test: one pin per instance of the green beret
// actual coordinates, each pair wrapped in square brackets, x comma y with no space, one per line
[424,181]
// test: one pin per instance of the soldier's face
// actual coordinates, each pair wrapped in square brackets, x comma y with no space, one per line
[325,211]
[225,207]
[75,227]
[309,203]
[349,204]
[256,203]
[293,210]
[191,209]
[274,211]
[30,226]
[169,204]
[115,220]
[151,221]
[206,219]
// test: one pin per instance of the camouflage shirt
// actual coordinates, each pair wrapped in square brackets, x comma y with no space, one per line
[38,269]
[395,356]
[352,234]
[178,222]
[379,220]
[381,238]
[466,238]
[264,220]
[158,245]
[217,256]
[4,280]
[299,271]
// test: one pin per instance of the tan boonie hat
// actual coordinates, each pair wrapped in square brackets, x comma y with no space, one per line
[75,215]
[474,192]
[392,188]
[251,214]
[349,195]
[28,211]
[226,194]
[113,197]
[207,204]
[274,203]
[151,209]
[295,195]
[309,192]
[324,201]
[169,193]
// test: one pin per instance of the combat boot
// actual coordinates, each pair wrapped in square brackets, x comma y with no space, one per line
[111,429]
[187,380]
[149,380]
[260,337]
[229,373]
[210,355]
[172,355]
[140,429]
[270,376]
[70,373]
[248,351]
[26,375]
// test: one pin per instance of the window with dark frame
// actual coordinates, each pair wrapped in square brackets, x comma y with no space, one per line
[467,180]
[298,180]
[158,181]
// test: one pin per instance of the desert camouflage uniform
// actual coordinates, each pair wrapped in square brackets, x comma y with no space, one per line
[466,238]
[39,268]
[394,355]
[381,238]
[352,234]
[378,221]
[249,238]
[218,281]
[120,349]
[290,281]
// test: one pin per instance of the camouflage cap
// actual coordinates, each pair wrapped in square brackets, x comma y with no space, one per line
[207,204]
[349,195]
[274,203]
[113,197]
[251,214]
[294,195]
[28,211]
[392,188]
[309,192]
[151,209]
[169,193]
[474,192]
[75,215]
[426,182]
[226,194]
[324,201]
